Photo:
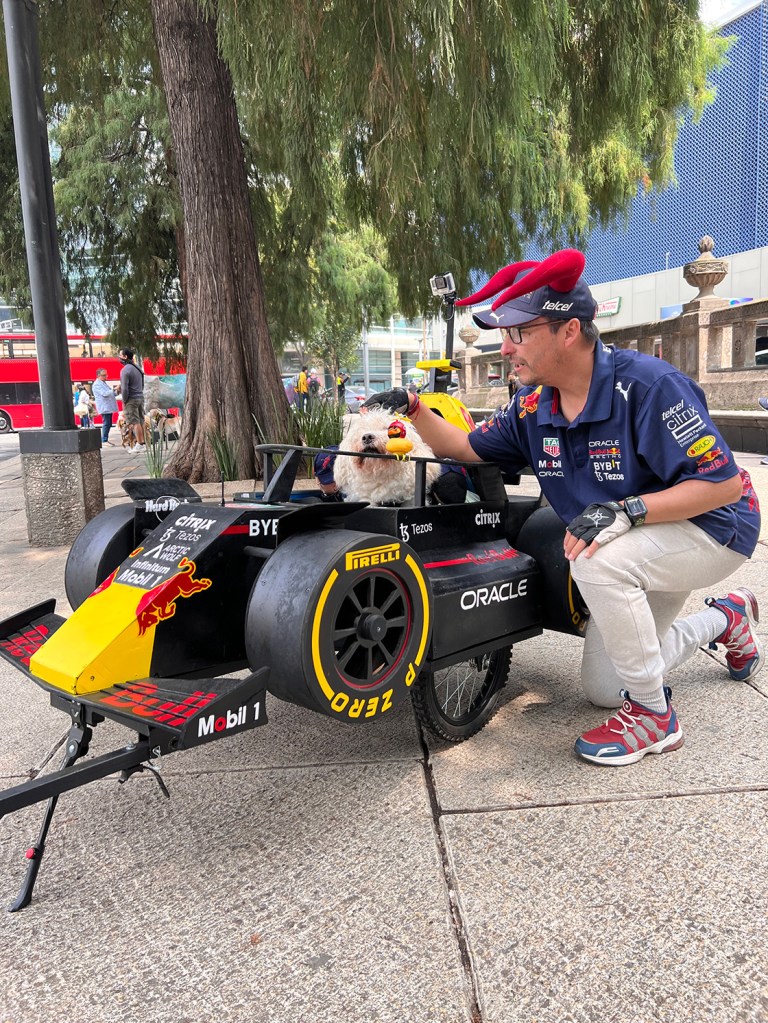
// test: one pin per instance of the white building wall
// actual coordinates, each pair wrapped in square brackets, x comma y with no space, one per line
[642,298]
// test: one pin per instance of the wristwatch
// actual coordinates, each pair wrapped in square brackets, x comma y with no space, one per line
[635,510]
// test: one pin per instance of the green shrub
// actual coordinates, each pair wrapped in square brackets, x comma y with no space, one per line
[321,425]
[224,453]
[159,450]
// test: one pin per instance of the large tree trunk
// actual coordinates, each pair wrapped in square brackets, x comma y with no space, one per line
[232,370]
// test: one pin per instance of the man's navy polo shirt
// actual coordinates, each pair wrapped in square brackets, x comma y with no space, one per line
[644,428]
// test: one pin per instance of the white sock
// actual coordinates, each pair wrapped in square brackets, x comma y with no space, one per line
[655,701]
[716,622]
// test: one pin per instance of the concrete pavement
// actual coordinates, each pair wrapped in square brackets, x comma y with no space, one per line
[312,871]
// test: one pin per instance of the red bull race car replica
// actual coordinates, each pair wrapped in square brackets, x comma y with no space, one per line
[345,608]
[382,604]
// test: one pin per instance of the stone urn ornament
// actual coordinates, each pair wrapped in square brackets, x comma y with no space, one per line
[706,272]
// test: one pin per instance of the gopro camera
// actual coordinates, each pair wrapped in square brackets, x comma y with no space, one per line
[442,284]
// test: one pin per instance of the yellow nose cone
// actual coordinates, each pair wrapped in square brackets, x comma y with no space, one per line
[99,645]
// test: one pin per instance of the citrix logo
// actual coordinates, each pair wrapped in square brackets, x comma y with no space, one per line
[488,518]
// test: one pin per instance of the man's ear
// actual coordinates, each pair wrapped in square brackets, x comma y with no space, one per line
[572,332]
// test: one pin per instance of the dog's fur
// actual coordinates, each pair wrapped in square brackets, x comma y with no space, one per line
[379,480]
[152,421]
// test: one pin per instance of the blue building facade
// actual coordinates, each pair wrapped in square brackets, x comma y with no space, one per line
[721,165]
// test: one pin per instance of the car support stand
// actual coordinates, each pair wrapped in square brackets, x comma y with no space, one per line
[129,759]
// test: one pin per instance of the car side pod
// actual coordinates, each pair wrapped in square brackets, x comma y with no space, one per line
[168,715]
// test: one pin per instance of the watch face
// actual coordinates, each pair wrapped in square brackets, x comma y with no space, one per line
[635,508]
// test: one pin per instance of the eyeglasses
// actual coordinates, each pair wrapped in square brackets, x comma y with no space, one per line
[516,334]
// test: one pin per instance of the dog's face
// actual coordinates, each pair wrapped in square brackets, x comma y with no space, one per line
[379,480]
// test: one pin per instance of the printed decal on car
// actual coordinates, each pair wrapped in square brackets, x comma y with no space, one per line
[370,556]
[159,604]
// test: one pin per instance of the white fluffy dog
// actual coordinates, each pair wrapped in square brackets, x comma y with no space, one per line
[380,480]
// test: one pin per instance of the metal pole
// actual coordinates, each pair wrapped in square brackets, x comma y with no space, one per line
[392,357]
[366,371]
[450,313]
[30,129]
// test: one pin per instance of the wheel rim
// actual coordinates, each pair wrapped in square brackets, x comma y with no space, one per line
[371,629]
[461,688]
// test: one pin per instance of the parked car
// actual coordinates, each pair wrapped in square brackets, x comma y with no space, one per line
[355,395]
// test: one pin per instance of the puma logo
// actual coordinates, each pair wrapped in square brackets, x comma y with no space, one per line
[622,391]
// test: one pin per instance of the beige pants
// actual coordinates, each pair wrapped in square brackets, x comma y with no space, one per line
[634,587]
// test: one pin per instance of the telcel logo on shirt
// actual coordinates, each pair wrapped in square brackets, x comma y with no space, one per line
[700,446]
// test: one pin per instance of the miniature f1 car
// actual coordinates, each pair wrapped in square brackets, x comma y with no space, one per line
[345,609]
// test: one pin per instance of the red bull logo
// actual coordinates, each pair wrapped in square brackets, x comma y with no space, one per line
[107,582]
[709,456]
[529,403]
[159,604]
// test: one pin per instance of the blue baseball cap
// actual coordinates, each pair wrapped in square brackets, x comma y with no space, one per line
[544,301]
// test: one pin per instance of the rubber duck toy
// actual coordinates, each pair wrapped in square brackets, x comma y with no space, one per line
[398,443]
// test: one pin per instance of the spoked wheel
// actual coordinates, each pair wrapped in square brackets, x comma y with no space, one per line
[369,628]
[457,701]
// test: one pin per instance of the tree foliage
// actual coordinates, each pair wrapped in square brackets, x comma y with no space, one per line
[121,225]
[465,129]
[335,347]
[457,131]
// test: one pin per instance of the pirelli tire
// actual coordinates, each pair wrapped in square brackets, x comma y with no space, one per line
[563,607]
[456,702]
[100,546]
[343,621]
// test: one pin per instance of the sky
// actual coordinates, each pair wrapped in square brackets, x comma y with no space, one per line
[714,10]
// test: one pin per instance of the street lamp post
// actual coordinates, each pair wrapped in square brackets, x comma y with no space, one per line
[61,465]
[36,188]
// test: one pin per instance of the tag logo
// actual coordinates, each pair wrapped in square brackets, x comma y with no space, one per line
[552,446]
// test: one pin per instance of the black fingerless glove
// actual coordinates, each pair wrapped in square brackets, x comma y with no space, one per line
[397,400]
[597,518]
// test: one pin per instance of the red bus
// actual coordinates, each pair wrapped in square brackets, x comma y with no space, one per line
[20,402]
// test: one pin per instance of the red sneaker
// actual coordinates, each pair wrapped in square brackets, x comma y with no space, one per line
[633,731]
[744,652]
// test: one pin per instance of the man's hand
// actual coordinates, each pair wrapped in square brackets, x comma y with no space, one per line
[598,524]
[397,400]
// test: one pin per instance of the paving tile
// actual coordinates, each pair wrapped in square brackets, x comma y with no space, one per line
[650,911]
[263,897]
[525,755]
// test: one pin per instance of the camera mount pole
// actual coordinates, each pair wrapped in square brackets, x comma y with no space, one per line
[440,377]
[449,301]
